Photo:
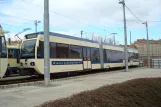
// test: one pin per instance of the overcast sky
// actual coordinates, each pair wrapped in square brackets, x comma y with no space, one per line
[100,17]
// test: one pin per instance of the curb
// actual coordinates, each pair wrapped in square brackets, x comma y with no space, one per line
[41,83]
[36,83]
[21,84]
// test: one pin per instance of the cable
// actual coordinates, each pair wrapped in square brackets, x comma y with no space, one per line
[16,17]
[133,14]
[137,17]
[10,25]
[56,27]
[155,21]
[54,12]
[63,15]
[147,21]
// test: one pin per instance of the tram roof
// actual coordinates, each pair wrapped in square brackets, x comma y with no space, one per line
[65,36]
[73,37]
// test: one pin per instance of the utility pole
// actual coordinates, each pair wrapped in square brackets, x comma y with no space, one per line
[114,37]
[46,44]
[125,35]
[159,48]
[130,38]
[148,44]
[81,33]
[36,23]
[114,40]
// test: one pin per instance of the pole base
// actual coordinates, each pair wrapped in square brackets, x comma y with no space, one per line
[47,81]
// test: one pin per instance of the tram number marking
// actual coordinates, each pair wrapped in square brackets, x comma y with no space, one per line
[66,62]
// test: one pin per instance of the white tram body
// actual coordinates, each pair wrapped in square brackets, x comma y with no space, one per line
[113,56]
[3,55]
[134,61]
[68,53]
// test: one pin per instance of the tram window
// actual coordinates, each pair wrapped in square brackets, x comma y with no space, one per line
[108,55]
[105,55]
[62,50]
[89,53]
[84,53]
[10,53]
[52,50]
[113,54]
[3,48]
[95,54]
[40,50]
[120,55]
[75,51]
[136,56]
[130,56]
[15,53]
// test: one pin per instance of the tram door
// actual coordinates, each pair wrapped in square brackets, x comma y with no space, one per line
[86,58]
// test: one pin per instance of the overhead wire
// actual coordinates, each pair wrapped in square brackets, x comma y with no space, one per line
[133,14]
[15,17]
[138,19]
[73,18]
[9,24]
[56,27]
[63,15]
[155,21]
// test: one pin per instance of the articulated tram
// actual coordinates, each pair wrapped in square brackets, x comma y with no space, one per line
[3,55]
[69,53]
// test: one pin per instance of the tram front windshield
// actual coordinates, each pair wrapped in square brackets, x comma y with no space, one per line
[28,49]
[3,49]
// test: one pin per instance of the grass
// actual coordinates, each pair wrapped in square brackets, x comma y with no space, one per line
[144,92]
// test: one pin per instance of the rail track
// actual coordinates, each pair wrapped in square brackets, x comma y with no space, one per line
[27,79]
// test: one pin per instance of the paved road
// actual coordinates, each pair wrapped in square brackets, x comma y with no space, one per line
[30,96]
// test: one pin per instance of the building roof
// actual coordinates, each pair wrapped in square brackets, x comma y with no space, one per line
[133,46]
[151,41]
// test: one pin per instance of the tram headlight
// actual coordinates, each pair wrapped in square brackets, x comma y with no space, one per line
[32,63]
[21,64]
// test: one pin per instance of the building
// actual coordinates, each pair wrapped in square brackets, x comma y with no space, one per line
[155,48]
[130,46]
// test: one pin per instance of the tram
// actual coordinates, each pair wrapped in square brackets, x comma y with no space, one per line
[69,53]
[3,53]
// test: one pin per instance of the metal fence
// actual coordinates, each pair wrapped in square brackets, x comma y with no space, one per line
[156,63]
